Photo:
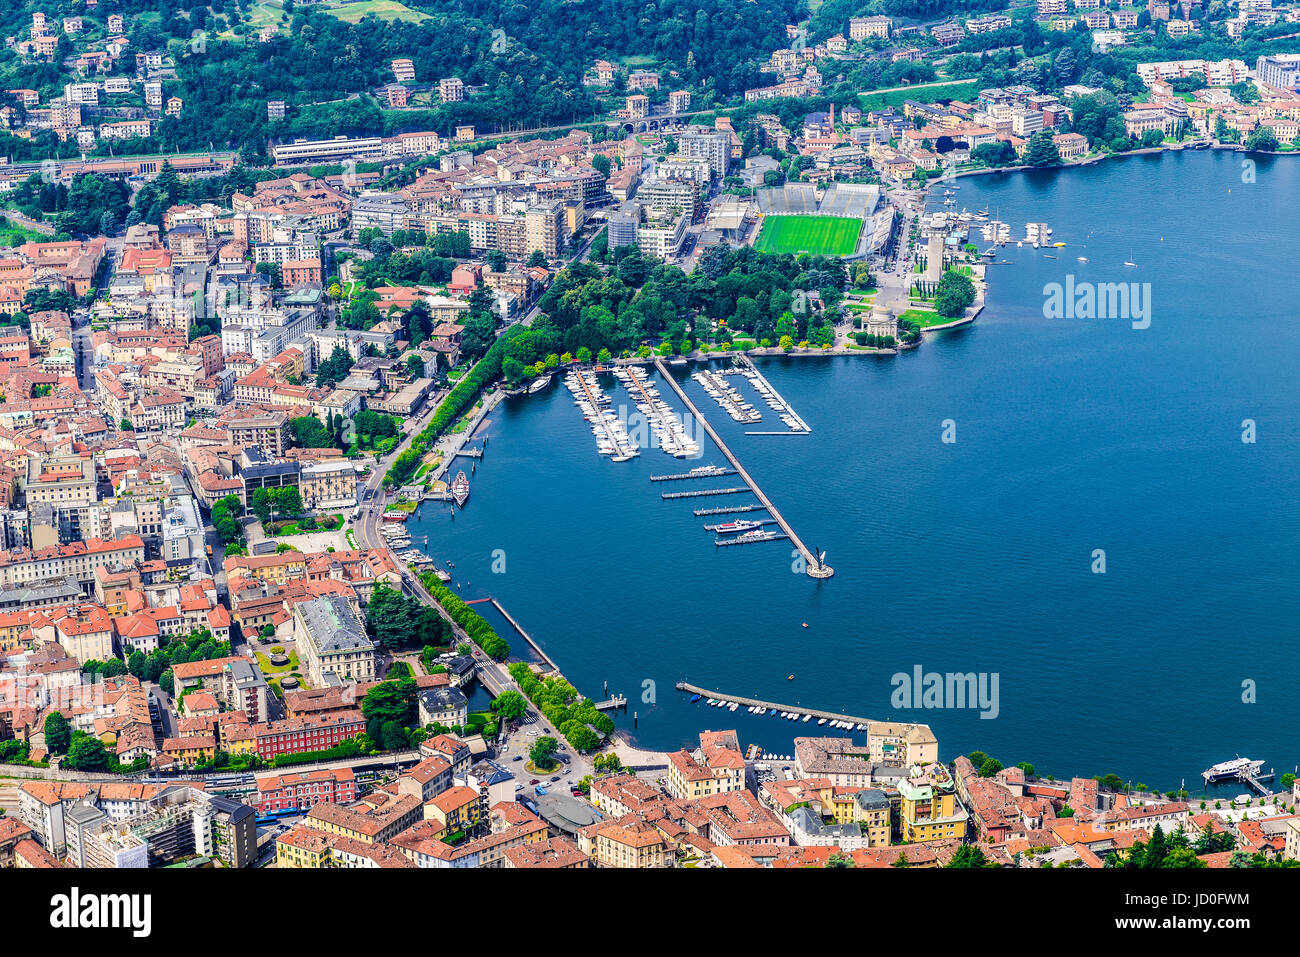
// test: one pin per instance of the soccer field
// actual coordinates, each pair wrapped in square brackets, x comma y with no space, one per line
[818,235]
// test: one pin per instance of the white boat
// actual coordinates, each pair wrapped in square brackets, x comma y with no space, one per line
[539,385]
[821,720]
[807,718]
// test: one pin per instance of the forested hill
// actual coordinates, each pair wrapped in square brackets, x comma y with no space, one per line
[528,58]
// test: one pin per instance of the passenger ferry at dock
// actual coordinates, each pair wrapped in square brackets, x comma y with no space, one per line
[1231,770]
[460,489]
[727,528]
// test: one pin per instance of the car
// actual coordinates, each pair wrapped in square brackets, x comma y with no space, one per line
[568,770]
[532,732]
[518,757]
[534,781]
[519,787]
[554,779]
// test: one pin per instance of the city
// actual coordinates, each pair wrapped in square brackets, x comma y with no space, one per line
[268,352]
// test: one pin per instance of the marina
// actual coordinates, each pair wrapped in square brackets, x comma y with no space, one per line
[814,565]
[785,412]
[731,401]
[611,435]
[665,425]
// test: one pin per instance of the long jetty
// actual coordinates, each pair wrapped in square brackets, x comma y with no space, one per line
[814,566]
[772,705]
[527,637]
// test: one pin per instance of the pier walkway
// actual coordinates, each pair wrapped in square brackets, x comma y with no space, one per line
[523,634]
[815,567]
[772,705]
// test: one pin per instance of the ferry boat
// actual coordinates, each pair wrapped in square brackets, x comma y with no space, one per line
[707,471]
[1228,770]
[460,489]
[539,385]
[737,526]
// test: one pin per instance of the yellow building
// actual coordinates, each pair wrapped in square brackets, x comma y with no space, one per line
[615,844]
[456,809]
[930,810]
[304,847]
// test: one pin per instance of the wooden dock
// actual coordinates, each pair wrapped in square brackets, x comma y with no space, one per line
[774,706]
[813,564]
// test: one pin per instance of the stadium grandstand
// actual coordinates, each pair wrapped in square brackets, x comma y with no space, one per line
[836,201]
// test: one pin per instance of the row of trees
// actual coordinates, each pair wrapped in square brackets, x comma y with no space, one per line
[573,716]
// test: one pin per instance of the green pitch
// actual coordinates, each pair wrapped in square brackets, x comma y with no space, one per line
[818,235]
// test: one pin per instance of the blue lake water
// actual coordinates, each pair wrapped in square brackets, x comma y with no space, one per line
[1072,435]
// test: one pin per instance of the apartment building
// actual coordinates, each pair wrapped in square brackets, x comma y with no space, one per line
[715,767]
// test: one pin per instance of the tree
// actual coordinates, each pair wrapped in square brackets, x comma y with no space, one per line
[510,705]
[86,753]
[415,366]
[968,855]
[1041,151]
[990,767]
[58,733]
[542,753]
[953,294]
[334,369]
[391,701]
[1263,140]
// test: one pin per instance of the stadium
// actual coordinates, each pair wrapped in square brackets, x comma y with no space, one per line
[839,220]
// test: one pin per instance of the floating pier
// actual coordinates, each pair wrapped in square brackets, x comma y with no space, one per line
[700,492]
[726,510]
[612,704]
[770,395]
[706,472]
[471,453]
[815,567]
[775,706]
[752,539]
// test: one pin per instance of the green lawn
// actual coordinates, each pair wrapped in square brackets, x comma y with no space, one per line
[384,9]
[925,318]
[957,90]
[819,235]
